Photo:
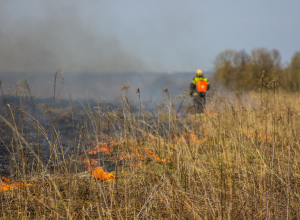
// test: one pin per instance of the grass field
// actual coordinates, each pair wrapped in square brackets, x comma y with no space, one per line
[239,161]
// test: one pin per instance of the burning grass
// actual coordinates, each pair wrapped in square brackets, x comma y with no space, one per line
[239,161]
[99,174]
[100,148]
[6,185]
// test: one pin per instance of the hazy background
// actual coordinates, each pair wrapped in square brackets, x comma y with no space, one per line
[95,42]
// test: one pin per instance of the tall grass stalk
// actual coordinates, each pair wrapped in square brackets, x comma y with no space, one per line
[239,161]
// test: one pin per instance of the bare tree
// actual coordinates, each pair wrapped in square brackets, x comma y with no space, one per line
[224,67]
[292,73]
[240,70]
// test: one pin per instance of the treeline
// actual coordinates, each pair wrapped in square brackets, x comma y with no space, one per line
[242,71]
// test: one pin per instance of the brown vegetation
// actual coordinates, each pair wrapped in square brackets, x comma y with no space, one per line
[242,71]
[239,161]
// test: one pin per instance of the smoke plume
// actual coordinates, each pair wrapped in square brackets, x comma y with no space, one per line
[43,36]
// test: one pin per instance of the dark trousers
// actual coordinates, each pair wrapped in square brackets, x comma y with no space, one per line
[199,102]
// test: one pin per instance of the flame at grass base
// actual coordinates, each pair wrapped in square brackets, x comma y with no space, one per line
[5,185]
[100,148]
[99,174]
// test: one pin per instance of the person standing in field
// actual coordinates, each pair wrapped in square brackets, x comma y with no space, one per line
[198,88]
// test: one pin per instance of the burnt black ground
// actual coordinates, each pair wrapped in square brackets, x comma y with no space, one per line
[71,122]
[68,120]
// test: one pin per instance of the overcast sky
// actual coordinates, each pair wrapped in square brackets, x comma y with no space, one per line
[140,35]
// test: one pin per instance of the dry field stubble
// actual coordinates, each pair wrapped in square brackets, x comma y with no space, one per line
[239,161]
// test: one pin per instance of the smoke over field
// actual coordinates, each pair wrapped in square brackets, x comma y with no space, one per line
[95,37]
[96,49]
[49,36]
[100,87]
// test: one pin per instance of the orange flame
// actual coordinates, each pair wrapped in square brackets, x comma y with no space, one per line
[99,174]
[143,154]
[191,137]
[7,186]
[87,163]
[151,154]
[100,148]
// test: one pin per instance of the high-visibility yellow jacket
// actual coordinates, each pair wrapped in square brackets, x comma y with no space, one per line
[194,83]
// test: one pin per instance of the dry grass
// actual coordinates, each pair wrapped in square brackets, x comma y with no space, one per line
[240,161]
